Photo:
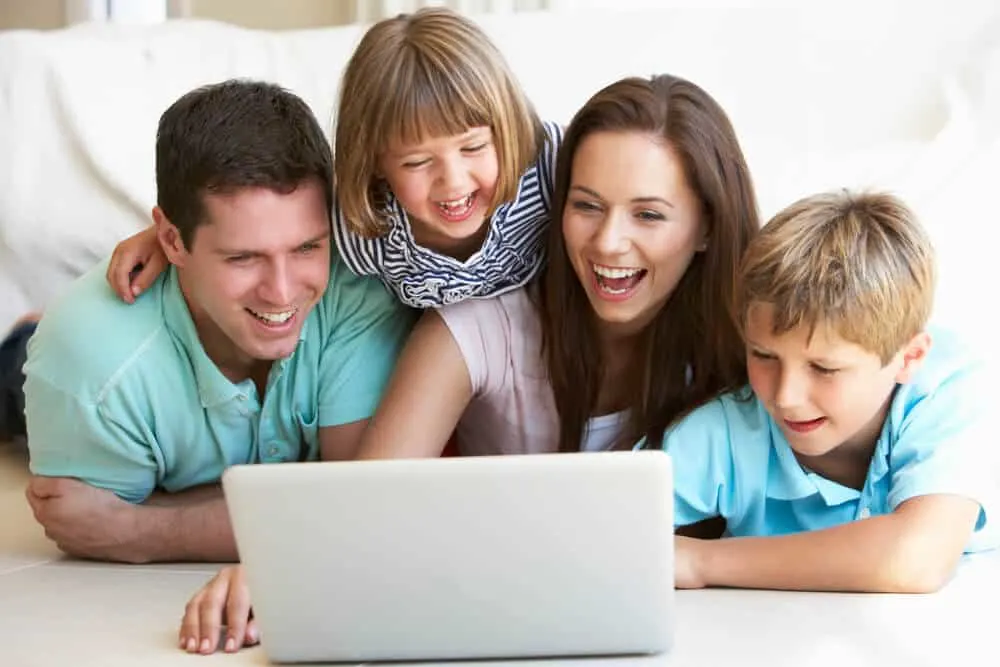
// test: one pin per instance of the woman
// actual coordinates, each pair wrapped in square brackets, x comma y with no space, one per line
[628,328]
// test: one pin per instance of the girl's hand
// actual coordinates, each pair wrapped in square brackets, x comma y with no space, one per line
[135,264]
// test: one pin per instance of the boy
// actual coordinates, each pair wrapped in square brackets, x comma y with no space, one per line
[859,461]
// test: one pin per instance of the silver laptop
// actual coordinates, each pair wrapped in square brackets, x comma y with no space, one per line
[458,558]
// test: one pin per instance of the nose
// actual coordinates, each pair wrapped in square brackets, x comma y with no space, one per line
[276,286]
[790,390]
[452,175]
[612,234]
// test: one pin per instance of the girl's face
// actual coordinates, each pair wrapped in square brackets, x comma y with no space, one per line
[446,185]
[631,226]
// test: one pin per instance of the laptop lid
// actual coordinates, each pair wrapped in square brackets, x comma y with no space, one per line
[458,558]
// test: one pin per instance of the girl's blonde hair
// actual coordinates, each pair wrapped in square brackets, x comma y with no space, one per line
[426,74]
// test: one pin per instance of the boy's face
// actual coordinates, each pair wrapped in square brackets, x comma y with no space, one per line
[824,393]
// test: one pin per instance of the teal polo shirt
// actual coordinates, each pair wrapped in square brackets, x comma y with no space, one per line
[731,459]
[124,397]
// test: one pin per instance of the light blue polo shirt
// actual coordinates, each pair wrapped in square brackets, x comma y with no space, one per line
[124,397]
[730,458]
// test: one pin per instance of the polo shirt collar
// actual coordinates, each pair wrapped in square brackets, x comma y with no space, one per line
[214,388]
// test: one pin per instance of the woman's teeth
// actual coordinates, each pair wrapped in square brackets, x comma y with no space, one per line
[617,280]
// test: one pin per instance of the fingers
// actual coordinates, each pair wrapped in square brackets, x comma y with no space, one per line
[202,620]
[225,597]
[119,274]
[147,274]
[44,487]
[241,629]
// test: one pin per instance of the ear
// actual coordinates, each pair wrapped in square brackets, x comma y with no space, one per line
[703,243]
[913,355]
[169,237]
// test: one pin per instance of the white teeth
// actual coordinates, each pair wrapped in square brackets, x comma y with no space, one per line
[614,272]
[456,204]
[273,318]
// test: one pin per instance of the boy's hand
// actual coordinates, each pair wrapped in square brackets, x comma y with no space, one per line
[688,562]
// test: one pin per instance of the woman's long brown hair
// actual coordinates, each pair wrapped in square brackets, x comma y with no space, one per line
[692,350]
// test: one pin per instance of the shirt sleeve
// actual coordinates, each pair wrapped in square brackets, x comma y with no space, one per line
[945,444]
[358,253]
[547,161]
[68,437]
[481,329]
[366,328]
[701,455]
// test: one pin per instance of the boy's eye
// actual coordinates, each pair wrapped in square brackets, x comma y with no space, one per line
[824,370]
[761,355]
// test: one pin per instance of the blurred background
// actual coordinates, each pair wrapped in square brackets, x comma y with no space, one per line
[269,14]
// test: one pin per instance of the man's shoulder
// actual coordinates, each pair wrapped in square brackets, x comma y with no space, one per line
[89,337]
[351,297]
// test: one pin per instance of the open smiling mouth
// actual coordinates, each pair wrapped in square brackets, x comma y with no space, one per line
[617,281]
[457,210]
[273,319]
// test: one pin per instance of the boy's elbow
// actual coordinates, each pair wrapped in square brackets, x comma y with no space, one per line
[917,570]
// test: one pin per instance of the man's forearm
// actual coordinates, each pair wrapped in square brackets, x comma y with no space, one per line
[189,526]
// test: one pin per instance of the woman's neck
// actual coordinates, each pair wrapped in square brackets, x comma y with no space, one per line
[618,352]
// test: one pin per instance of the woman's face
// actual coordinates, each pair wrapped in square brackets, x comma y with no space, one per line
[631,226]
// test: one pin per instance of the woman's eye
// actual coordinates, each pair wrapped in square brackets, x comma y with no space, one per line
[584,205]
[653,216]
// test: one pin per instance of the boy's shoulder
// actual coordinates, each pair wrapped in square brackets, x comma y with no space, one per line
[952,364]
[735,416]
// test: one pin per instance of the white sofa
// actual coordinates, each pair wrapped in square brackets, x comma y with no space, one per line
[885,93]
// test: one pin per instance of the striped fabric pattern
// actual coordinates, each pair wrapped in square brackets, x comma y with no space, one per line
[511,255]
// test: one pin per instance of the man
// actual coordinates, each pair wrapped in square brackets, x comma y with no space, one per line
[256,345]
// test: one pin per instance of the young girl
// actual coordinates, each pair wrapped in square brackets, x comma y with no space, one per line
[628,327]
[442,169]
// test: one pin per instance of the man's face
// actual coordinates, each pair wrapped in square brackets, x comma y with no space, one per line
[253,271]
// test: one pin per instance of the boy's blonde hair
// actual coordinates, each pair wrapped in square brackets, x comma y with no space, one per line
[858,262]
[420,75]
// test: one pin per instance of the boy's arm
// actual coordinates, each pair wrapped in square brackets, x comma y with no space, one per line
[941,496]
[702,458]
[912,550]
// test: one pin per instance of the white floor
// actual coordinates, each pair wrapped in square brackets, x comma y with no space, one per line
[59,611]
